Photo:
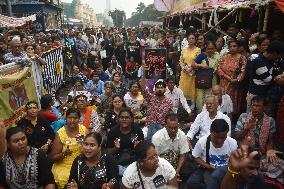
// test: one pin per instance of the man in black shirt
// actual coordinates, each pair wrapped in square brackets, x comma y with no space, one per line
[37,129]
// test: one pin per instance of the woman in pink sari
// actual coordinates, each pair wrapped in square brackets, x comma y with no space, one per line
[231,71]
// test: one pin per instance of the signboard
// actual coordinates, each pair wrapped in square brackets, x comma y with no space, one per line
[16,89]
[156,60]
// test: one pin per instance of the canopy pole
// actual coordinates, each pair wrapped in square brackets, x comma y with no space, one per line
[229,14]
[203,22]
[216,29]
[266,16]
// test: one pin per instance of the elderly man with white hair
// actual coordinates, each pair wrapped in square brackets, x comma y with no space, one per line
[204,120]
[17,54]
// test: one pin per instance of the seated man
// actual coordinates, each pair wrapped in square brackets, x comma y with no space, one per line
[170,142]
[176,95]
[95,86]
[100,71]
[203,120]
[225,104]
[257,128]
[158,107]
[241,173]
[211,152]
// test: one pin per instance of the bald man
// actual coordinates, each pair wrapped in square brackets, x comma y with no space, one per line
[17,54]
[224,100]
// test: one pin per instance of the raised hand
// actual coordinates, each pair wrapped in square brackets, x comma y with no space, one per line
[117,143]
[240,158]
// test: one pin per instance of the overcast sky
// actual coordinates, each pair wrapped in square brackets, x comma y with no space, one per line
[127,5]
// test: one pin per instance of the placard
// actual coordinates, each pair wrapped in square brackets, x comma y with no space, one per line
[156,60]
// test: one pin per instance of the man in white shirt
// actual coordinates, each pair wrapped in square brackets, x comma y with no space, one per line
[170,142]
[203,120]
[211,152]
[176,95]
[87,34]
[225,104]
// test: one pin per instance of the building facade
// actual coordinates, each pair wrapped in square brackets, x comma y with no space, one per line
[49,12]
[81,11]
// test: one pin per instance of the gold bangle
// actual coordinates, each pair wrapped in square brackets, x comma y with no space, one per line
[233,173]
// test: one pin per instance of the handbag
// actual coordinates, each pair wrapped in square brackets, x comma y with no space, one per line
[203,79]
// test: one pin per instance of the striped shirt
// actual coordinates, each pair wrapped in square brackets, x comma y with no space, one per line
[260,76]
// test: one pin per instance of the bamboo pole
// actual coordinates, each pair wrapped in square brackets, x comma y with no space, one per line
[266,16]
[216,29]
[229,14]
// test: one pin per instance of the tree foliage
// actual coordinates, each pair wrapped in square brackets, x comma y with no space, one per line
[118,17]
[143,13]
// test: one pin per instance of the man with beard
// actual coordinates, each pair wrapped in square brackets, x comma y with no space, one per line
[158,106]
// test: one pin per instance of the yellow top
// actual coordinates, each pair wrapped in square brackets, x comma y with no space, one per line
[61,169]
[187,81]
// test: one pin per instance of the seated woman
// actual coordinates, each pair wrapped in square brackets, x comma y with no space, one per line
[121,139]
[66,147]
[31,54]
[112,114]
[23,166]
[89,117]
[96,170]
[120,88]
[149,171]
[37,129]
[78,89]
[135,101]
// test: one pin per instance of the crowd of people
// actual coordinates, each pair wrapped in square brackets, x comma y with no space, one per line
[215,122]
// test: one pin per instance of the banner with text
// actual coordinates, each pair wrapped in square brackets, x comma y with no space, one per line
[156,60]
[16,89]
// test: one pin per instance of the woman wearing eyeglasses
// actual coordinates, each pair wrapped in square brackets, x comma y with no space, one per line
[93,169]
[122,138]
[149,171]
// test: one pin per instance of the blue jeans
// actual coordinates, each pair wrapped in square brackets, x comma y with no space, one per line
[198,179]
[152,129]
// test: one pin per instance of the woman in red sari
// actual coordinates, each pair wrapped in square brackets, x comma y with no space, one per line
[231,71]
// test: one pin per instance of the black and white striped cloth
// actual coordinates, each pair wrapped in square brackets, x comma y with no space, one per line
[260,74]
[52,73]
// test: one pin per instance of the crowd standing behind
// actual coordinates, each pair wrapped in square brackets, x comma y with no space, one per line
[215,122]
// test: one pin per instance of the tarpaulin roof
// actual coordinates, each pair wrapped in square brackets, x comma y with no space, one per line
[187,6]
[163,5]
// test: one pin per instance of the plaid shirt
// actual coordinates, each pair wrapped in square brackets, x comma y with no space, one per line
[157,108]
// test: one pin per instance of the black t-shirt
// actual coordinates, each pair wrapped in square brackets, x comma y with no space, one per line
[38,134]
[44,176]
[93,177]
[110,119]
[125,139]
